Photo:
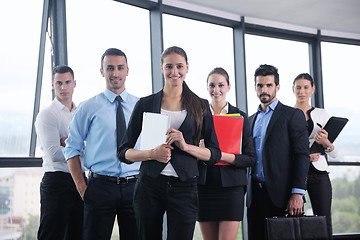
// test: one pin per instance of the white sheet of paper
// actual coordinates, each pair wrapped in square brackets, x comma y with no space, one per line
[154,129]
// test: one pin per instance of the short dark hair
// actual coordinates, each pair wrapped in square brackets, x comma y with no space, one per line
[62,69]
[221,71]
[267,70]
[304,76]
[112,52]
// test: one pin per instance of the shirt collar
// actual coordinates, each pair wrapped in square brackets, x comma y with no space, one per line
[111,96]
[61,106]
[223,111]
[272,106]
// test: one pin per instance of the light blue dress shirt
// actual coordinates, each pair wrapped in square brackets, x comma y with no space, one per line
[260,127]
[259,132]
[93,127]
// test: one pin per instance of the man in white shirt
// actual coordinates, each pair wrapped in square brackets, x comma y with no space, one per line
[61,213]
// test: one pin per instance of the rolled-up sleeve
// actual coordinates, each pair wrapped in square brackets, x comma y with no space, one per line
[77,129]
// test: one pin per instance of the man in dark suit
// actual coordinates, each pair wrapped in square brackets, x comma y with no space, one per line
[280,135]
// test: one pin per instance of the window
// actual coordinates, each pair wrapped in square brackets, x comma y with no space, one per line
[291,58]
[109,23]
[206,45]
[340,96]
[106,24]
[345,210]
[19,202]
[19,58]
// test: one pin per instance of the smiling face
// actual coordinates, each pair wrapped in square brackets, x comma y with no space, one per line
[303,90]
[217,87]
[174,68]
[115,70]
[63,85]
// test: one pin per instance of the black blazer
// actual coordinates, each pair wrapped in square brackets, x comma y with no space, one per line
[285,153]
[236,175]
[185,165]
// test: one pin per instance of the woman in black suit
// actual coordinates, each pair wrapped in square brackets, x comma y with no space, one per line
[168,173]
[318,181]
[221,198]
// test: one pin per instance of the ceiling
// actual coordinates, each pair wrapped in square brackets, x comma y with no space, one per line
[341,16]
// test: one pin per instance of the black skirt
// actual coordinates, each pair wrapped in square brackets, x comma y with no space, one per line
[217,203]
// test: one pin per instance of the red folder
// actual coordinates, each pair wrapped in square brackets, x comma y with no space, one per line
[228,130]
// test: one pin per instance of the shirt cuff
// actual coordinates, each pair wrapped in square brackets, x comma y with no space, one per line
[298,191]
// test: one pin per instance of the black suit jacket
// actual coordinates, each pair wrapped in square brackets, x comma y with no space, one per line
[185,165]
[285,153]
[236,175]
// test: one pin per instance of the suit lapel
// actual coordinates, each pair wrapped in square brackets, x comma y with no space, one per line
[157,102]
[252,119]
[279,109]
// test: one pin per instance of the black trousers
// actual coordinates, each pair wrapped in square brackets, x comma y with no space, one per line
[103,201]
[261,207]
[320,193]
[61,210]
[155,196]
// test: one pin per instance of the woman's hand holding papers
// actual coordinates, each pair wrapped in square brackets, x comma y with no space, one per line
[162,153]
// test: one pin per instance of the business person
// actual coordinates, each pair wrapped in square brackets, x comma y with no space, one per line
[110,188]
[61,209]
[278,180]
[221,198]
[168,173]
[318,182]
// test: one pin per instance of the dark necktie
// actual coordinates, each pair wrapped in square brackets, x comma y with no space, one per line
[120,122]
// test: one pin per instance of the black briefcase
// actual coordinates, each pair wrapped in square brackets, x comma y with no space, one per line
[296,228]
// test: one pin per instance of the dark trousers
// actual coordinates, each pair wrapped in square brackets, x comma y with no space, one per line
[261,207]
[61,210]
[155,196]
[320,193]
[103,201]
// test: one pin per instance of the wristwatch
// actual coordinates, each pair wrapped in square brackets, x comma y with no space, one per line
[328,149]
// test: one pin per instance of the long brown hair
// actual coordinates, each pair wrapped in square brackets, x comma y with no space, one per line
[189,100]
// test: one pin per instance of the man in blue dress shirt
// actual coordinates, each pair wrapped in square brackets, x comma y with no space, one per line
[278,180]
[109,191]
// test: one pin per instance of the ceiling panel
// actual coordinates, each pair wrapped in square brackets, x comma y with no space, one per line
[330,15]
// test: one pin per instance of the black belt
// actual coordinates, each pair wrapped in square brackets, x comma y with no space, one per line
[117,180]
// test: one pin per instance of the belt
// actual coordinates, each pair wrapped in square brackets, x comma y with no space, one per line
[117,180]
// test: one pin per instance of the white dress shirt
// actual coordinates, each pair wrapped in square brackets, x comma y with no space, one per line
[52,123]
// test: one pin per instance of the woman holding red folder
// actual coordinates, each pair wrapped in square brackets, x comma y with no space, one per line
[318,182]
[221,198]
